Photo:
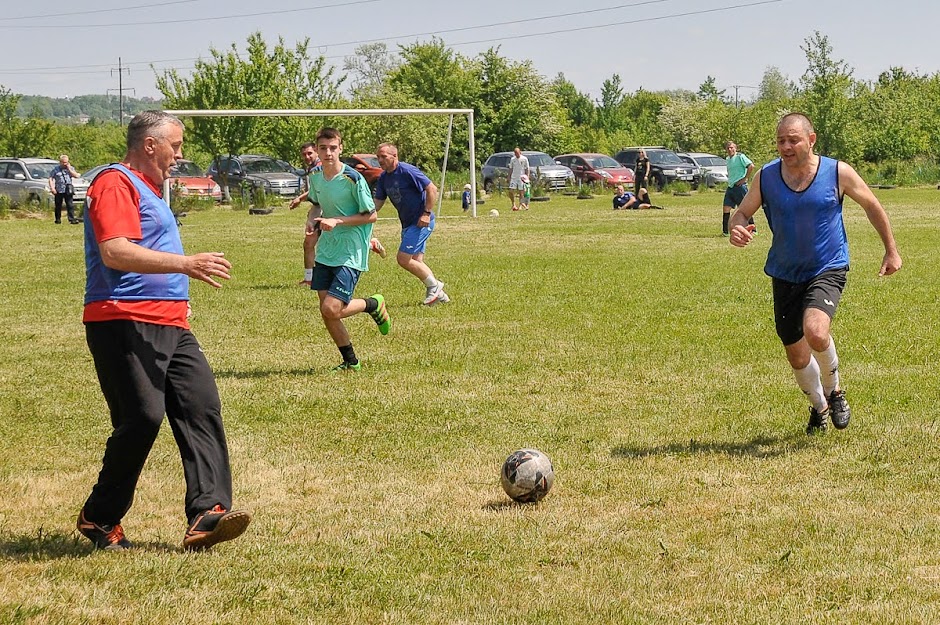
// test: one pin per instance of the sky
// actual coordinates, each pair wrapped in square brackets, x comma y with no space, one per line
[64,48]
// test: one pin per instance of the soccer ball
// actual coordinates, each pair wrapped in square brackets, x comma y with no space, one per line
[494,213]
[527,475]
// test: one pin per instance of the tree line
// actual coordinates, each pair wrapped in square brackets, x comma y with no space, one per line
[888,128]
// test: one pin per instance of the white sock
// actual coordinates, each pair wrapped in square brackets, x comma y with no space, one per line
[828,367]
[430,281]
[808,380]
[308,274]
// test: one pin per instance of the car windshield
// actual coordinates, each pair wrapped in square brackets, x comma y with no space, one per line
[711,161]
[539,159]
[263,166]
[664,158]
[187,168]
[371,161]
[41,170]
[603,162]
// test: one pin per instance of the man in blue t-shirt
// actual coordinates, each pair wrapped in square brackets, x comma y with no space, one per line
[414,195]
[801,193]
[60,184]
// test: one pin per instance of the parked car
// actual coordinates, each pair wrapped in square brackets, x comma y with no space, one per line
[255,171]
[665,165]
[541,166]
[590,167]
[26,181]
[186,179]
[365,164]
[713,169]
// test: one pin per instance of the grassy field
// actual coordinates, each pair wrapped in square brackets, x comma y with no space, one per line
[636,348]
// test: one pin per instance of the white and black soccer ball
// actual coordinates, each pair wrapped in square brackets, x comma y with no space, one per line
[527,475]
[494,213]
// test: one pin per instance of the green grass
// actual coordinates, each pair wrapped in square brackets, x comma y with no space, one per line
[636,348]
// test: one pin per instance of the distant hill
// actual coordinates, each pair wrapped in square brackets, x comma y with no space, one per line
[84,108]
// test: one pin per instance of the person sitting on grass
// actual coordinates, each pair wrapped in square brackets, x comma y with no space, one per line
[624,200]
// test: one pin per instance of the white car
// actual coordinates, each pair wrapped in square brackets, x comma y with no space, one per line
[712,169]
[26,181]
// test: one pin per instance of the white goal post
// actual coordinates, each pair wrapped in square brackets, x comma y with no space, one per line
[366,112]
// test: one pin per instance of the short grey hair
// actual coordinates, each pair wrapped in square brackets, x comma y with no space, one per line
[148,124]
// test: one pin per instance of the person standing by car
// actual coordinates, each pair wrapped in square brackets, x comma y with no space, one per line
[802,193]
[149,363]
[414,195]
[60,185]
[518,167]
[740,168]
[641,177]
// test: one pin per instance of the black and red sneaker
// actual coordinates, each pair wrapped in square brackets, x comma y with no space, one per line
[107,537]
[215,526]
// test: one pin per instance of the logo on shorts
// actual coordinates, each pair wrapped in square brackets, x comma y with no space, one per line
[343,291]
[828,302]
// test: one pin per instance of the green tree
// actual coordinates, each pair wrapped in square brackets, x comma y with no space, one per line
[775,87]
[18,136]
[279,78]
[579,105]
[369,67]
[709,91]
[827,87]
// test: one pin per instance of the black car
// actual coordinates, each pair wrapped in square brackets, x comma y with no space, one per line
[255,171]
[665,165]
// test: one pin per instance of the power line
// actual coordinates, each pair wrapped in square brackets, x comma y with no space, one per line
[215,18]
[463,43]
[89,11]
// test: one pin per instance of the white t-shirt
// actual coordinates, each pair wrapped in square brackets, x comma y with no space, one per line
[517,167]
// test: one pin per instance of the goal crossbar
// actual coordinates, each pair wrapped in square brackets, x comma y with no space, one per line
[351,113]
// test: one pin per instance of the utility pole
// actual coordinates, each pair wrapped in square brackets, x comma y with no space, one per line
[736,87]
[120,72]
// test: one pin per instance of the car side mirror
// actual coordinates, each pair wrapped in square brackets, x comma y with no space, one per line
[19,177]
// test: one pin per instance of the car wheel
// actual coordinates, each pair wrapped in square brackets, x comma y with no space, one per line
[33,201]
[488,186]
[660,181]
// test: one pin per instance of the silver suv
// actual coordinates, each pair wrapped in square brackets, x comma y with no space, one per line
[26,181]
[541,166]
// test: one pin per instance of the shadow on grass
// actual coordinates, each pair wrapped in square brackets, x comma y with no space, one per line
[44,545]
[501,505]
[762,446]
[266,373]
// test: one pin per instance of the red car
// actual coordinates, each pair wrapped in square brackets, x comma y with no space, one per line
[589,167]
[187,179]
[365,164]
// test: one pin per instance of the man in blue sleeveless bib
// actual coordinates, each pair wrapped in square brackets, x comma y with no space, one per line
[801,193]
[148,362]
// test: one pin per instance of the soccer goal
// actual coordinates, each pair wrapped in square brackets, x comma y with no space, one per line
[368,112]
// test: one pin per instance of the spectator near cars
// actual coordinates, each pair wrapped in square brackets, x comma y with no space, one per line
[542,169]
[712,170]
[665,165]
[590,167]
[26,181]
[254,171]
